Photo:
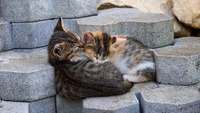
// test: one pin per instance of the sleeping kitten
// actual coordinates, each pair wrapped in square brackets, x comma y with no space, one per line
[98,46]
[132,58]
[78,77]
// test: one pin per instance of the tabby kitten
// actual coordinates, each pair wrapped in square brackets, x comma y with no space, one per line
[77,77]
[132,58]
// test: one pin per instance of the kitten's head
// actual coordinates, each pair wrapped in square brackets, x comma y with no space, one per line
[63,44]
[98,45]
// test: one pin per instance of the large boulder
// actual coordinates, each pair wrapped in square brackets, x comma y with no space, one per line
[187,11]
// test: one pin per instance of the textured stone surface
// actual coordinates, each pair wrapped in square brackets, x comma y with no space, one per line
[34,34]
[74,8]
[188,41]
[178,65]
[68,106]
[13,107]
[126,103]
[25,11]
[5,35]
[156,31]
[25,75]
[37,34]
[171,100]
[41,106]
[191,11]
[118,11]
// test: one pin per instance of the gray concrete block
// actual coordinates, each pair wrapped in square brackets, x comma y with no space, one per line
[118,11]
[26,75]
[70,24]
[177,65]
[40,106]
[153,30]
[126,103]
[74,8]
[187,41]
[34,34]
[171,100]
[64,105]
[47,105]
[24,11]
[5,36]
[37,34]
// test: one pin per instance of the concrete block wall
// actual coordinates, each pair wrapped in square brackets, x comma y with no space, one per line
[27,80]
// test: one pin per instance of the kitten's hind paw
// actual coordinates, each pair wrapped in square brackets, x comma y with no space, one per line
[134,78]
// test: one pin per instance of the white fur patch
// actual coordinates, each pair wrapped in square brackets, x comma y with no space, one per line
[141,66]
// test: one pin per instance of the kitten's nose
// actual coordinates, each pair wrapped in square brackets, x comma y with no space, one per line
[81,45]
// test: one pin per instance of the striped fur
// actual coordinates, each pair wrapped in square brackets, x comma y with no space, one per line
[81,78]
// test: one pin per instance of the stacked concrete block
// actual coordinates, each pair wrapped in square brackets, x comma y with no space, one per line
[178,65]
[74,8]
[26,11]
[26,75]
[40,106]
[153,30]
[171,100]
[5,35]
[119,11]
[34,34]
[126,103]
[64,105]
[188,41]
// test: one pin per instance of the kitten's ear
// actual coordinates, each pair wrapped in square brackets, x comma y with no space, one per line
[113,39]
[88,37]
[59,26]
[58,49]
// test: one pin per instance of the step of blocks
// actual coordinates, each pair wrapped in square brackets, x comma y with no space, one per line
[25,75]
[113,104]
[37,34]
[175,99]
[153,30]
[40,106]
[5,35]
[26,11]
[178,65]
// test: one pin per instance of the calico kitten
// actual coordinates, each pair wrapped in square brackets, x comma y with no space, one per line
[132,58]
[98,46]
[77,77]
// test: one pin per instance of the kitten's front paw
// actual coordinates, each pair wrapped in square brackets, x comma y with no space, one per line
[131,78]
